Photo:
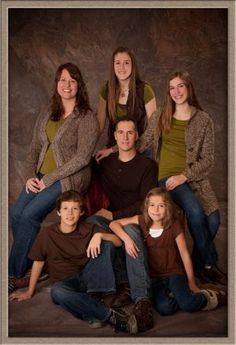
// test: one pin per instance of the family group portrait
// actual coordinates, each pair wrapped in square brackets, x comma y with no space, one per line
[118,173]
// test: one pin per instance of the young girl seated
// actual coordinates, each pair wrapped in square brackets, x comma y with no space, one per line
[170,266]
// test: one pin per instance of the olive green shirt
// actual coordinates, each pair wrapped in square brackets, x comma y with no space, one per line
[49,163]
[121,109]
[173,150]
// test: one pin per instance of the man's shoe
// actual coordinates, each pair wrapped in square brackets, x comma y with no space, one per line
[118,299]
[212,275]
[214,299]
[144,314]
[123,322]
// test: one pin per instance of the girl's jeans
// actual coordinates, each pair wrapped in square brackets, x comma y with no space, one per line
[173,293]
[26,216]
[202,228]
[72,294]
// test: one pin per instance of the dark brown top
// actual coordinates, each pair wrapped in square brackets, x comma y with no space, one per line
[65,254]
[163,255]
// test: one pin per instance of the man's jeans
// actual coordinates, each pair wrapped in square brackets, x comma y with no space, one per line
[137,268]
[202,228]
[173,293]
[72,294]
[26,216]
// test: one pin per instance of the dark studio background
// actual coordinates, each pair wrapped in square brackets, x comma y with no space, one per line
[162,39]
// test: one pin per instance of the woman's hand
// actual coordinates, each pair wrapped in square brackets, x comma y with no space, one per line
[32,185]
[20,295]
[131,248]
[94,247]
[175,181]
[41,185]
[103,153]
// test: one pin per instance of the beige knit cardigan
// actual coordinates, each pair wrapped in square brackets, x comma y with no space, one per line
[199,140]
[72,148]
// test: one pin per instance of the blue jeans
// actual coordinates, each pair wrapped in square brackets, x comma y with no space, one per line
[119,262]
[126,268]
[72,294]
[173,293]
[202,228]
[137,268]
[26,217]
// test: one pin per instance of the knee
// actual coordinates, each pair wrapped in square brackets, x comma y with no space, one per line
[165,308]
[107,246]
[58,293]
[134,232]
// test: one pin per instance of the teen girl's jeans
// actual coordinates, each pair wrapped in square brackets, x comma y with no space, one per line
[173,293]
[202,228]
[126,268]
[72,294]
[26,216]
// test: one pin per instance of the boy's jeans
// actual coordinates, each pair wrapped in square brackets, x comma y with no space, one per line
[202,228]
[181,297]
[72,294]
[26,216]
[137,269]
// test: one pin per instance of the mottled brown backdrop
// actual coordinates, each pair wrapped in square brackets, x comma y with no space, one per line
[163,40]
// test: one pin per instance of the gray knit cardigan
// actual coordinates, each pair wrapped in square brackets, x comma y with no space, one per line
[199,140]
[72,147]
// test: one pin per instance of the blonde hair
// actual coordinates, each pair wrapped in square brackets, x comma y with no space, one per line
[168,108]
[170,215]
[113,83]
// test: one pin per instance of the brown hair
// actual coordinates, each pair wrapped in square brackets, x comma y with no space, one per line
[82,99]
[170,207]
[168,108]
[127,118]
[70,195]
[113,83]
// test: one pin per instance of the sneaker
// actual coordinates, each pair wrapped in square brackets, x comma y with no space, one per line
[96,324]
[11,284]
[214,299]
[212,275]
[144,314]
[123,322]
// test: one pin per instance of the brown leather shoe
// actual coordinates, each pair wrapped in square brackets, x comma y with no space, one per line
[144,314]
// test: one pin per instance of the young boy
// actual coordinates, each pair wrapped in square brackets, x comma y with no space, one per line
[82,253]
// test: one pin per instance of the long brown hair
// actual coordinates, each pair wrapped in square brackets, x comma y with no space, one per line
[171,210]
[168,108]
[82,99]
[113,83]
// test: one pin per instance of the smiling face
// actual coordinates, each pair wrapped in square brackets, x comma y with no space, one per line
[70,212]
[67,87]
[122,66]
[178,91]
[126,135]
[156,209]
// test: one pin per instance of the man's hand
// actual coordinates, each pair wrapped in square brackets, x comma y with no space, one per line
[105,213]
